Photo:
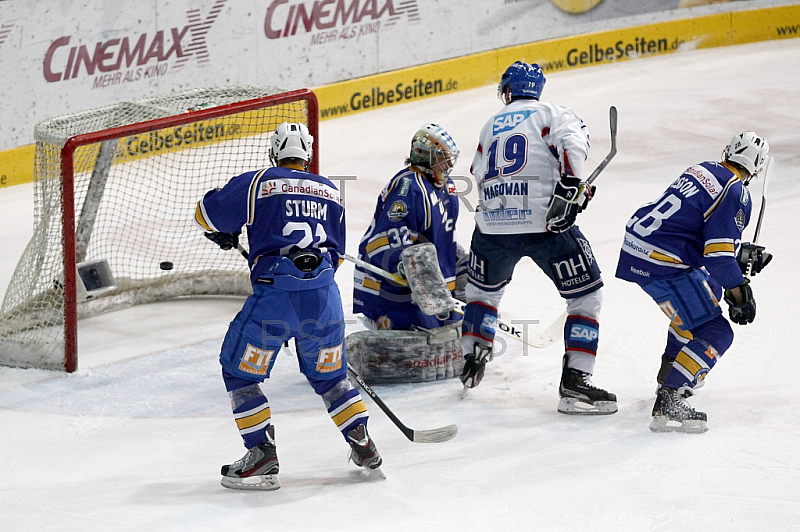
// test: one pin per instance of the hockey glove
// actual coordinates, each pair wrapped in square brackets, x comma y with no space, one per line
[570,198]
[752,258]
[742,311]
[224,240]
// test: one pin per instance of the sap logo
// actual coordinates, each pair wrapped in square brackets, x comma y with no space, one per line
[583,333]
[508,121]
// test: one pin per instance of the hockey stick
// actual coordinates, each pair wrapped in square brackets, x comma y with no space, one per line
[763,200]
[417,436]
[539,340]
[612,119]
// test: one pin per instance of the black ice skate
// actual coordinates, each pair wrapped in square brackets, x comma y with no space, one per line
[580,397]
[256,470]
[363,452]
[475,365]
[672,414]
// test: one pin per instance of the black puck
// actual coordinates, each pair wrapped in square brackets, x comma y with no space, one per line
[166,265]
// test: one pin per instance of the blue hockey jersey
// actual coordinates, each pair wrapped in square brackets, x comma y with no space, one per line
[697,222]
[410,210]
[284,210]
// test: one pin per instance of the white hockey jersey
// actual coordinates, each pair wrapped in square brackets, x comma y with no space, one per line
[522,152]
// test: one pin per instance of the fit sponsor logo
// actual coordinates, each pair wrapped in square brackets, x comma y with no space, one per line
[328,21]
[256,361]
[329,359]
[508,121]
[131,58]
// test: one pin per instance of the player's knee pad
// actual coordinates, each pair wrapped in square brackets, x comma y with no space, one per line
[588,305]
[474,293]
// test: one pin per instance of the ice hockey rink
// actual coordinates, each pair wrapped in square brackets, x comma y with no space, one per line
[135,438]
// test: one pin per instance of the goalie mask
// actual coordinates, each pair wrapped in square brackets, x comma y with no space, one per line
[747,150]
[435,152]
[290,140]
[523,80]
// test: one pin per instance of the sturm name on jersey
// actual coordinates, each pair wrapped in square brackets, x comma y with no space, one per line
[306,209]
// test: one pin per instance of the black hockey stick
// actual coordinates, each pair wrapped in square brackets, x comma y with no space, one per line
[417,436]
[612,119]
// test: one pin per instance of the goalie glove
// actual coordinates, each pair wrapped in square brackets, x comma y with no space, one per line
[226,241]
[570,198]
[741,311]
[752,258]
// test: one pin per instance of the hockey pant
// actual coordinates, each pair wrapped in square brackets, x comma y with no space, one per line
[270,317]
[698,335]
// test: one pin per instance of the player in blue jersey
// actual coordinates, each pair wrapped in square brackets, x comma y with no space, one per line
[417,205]
[296,229]
[529,171]
[684,250]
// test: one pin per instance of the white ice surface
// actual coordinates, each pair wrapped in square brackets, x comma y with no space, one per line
[134,439]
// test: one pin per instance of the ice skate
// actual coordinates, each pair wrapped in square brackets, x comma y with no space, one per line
[672,414]
[580,397]
[363,452]
[256,470]
[475,366]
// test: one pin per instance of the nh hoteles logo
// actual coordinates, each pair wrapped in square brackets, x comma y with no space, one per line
[132,56]
[286,18]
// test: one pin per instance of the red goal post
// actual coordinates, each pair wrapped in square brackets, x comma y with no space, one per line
[115,190]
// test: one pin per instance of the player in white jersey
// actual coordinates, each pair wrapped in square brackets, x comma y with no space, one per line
[529,172]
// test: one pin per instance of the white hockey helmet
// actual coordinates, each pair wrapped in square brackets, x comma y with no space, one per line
[748,151]
[290,140]
[434,151]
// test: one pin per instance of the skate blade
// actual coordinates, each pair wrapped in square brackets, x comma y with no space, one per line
[689,426]
[258,482]
[464,392]
[574,407]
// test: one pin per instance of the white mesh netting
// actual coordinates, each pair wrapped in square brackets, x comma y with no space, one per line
[134,201]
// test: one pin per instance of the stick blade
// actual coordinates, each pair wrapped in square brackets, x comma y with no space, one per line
[435,435]
[549,336]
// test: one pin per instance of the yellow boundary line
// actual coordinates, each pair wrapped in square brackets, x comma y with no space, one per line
[443,77]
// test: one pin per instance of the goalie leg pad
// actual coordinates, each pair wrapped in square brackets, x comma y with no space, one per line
[422,355]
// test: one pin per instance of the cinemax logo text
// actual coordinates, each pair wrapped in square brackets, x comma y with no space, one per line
[333,20]
[131,58]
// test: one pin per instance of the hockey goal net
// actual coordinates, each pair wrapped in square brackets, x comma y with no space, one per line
[115,188]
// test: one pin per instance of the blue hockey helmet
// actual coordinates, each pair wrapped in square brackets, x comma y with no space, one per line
[523,81]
